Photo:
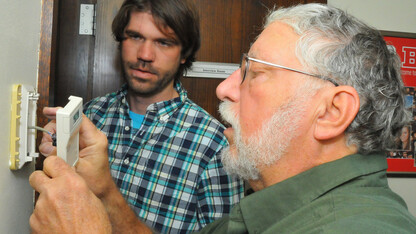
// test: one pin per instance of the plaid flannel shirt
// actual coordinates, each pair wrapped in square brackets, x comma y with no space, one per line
[169,170]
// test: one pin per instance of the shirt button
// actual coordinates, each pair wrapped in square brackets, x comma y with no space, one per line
[126,161]
[127,128]
[164,118]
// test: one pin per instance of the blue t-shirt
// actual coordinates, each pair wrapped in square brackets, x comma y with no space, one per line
[137,119]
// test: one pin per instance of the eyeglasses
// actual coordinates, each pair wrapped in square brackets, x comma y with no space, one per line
[245,66]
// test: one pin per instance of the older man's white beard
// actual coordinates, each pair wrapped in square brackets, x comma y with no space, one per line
[267,145]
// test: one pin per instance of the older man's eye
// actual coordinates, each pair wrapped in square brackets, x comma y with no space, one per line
[251,75]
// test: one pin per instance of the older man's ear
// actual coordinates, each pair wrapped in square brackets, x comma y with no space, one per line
[337,110]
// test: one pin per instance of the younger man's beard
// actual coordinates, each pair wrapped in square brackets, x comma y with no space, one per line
[266,146]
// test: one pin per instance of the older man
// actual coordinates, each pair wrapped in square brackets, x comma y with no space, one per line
[318,97]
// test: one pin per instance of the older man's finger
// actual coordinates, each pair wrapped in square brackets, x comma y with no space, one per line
[55,166]
[37,179]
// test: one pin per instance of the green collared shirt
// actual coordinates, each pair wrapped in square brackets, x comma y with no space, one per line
[349,195]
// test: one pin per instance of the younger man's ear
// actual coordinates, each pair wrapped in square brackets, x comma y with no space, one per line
[338,109]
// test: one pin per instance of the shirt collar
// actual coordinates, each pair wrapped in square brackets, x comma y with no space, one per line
[164,107]
[303,188]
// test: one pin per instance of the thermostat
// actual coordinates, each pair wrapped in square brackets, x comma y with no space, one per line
[68,122]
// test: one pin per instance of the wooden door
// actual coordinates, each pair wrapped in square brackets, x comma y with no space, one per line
[46,69]
[88,66]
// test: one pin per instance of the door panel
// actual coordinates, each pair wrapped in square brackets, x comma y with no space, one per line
[74,54]
[107,73]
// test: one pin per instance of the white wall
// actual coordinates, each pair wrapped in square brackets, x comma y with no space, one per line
[388,15]
[19,43]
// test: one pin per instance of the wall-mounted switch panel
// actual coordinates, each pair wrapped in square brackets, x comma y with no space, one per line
[23,115]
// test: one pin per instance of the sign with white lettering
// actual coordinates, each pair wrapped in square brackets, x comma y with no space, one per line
[401,159]
[406,49]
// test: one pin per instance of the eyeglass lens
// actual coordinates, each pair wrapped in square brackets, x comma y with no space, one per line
[244,65]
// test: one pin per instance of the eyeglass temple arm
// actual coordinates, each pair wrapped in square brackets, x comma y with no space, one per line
[295,70]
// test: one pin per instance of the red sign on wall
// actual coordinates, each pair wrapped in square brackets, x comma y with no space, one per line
[406,49]
[402,160]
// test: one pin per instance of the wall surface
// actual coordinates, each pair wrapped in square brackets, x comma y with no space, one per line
[19,43]
[387,15]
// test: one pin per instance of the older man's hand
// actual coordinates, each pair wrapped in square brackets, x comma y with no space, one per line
[93,159]
[65,203]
